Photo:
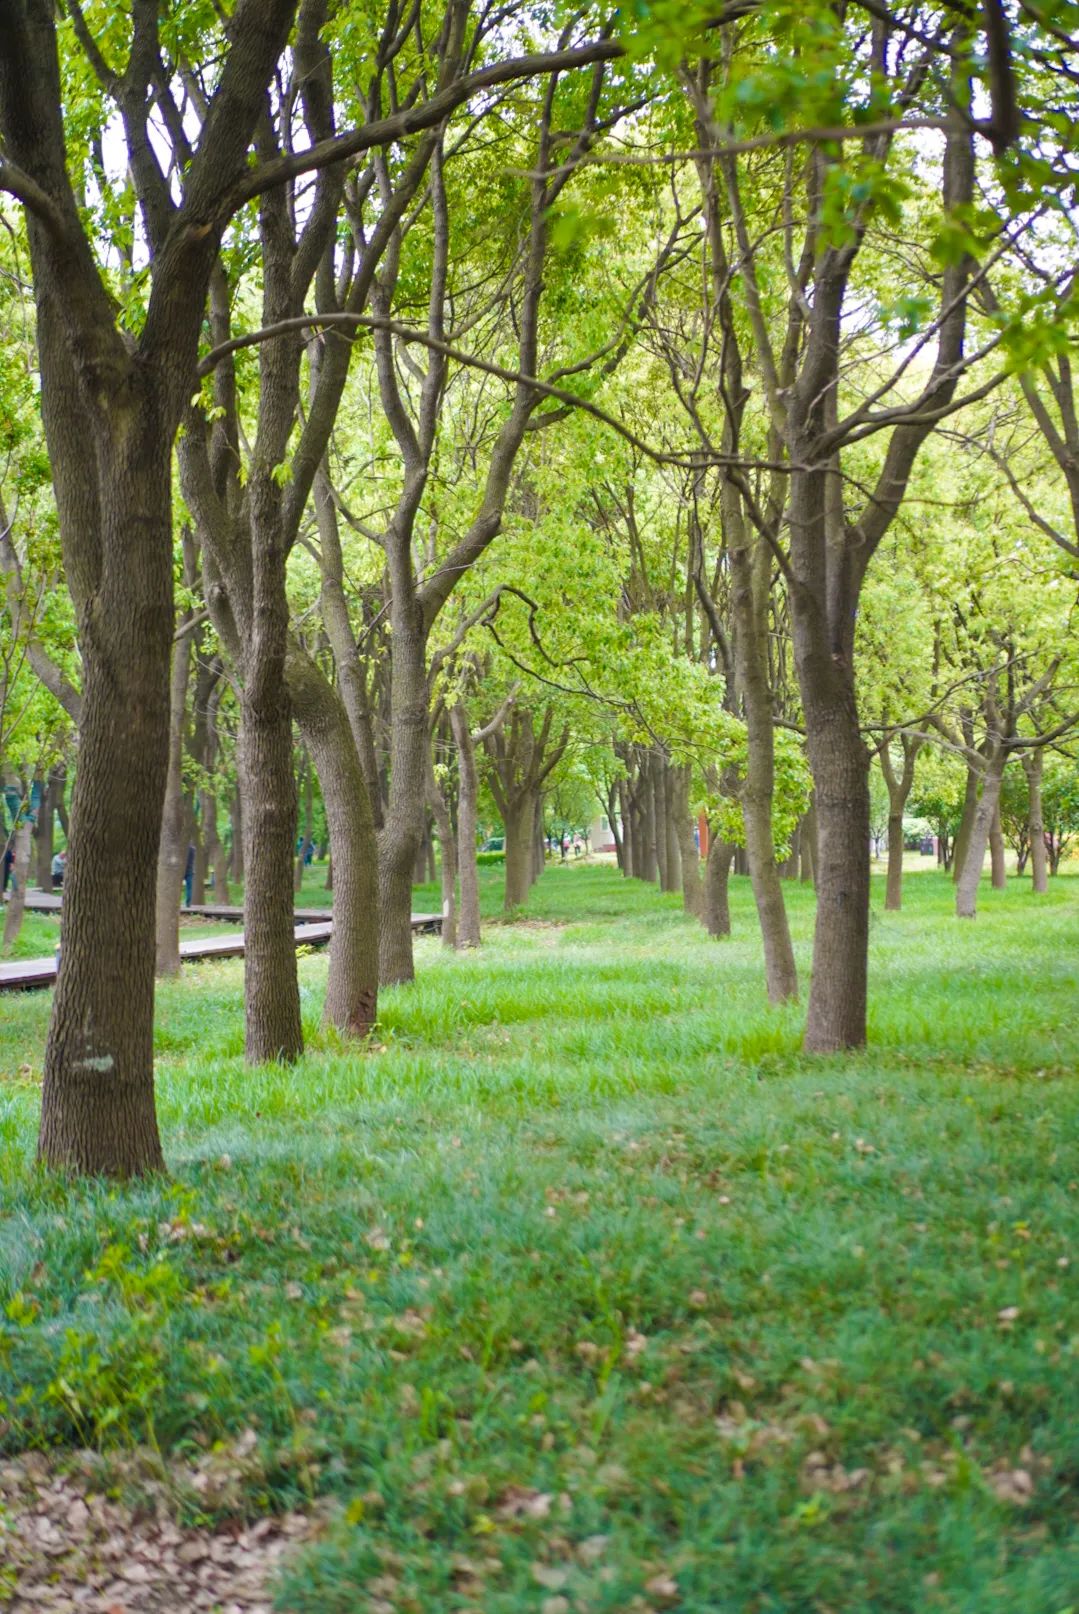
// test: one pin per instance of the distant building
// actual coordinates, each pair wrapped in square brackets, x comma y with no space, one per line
[600,834]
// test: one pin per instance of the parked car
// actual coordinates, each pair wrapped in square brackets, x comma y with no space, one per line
[494,843]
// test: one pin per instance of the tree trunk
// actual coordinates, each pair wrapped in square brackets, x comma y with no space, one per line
[447,842]
[807,846]
[220,856]
[749,598]
[172,852]
[308,823]
[717,911]
[692,889]
[899,786]
[406,818]
[658,786]
[43,834]
[538,857]
[1032,767]
[236,824]
[674,849]
[966,824]
[623,846]
[352,984]
[966,892]
[16,907]
[893,895]
[419,861]
[97,1100]
[468,922]
[836,1016]
[518,821]
[996,852]
[649,858]
[273,1027]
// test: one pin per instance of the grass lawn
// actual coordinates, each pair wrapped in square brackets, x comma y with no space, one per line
[582,1289]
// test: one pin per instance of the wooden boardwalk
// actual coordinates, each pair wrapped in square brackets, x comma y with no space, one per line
[313,929]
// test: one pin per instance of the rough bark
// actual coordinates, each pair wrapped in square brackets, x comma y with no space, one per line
[717,911]
[98,1113]
[692,887]
[518,820]
[997,862]
[966,822]
[352,984]
[749,599]
[111,406]
[966,891]
[402,832]
[272,1023]
[236,824]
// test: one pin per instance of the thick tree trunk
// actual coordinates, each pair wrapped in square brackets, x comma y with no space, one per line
[468,921]
[352,984]
[717,911]
[97,1101]
[16,906]
[1032,767]
[172,853]
[518,821]
[997,860]
[966,891]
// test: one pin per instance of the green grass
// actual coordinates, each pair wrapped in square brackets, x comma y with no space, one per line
[585,1248]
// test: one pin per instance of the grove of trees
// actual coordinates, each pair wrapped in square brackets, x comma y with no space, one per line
[418,414]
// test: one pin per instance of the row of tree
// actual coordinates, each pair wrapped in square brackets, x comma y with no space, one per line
[539,392]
